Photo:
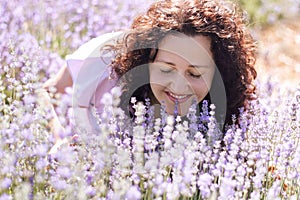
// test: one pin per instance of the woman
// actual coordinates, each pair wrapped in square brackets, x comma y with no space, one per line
[178,52]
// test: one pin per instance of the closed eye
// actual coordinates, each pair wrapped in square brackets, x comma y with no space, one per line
[166,69]
[195,75]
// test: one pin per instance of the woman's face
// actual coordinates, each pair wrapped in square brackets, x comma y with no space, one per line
[183,70]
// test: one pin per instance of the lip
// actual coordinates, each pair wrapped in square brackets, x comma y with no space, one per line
[177,98]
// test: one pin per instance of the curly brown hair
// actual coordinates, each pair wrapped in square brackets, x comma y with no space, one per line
[232,46]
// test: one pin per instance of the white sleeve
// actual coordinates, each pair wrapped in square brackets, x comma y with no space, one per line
[87,68]
[88,50]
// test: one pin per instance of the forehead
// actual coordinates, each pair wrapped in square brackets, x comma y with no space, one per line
[190,48]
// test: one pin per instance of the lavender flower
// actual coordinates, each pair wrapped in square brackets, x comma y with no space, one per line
[164,158]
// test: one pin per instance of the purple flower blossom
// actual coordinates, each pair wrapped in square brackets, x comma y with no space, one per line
[133,193]
[6,183]
[5,197]
[168,157]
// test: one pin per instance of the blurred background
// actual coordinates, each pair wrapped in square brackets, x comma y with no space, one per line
[36,36]
[275,25]
[49,30]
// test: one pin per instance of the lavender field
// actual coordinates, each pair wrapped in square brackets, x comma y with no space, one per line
[167,158]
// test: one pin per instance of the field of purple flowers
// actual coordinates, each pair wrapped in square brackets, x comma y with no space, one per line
[165,158]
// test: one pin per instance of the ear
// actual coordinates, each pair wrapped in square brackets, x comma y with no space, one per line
[152,54]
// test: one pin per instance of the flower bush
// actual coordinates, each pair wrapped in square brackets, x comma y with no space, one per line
[149,158]
[266,12]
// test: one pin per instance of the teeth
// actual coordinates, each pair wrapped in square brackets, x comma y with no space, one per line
[177,96]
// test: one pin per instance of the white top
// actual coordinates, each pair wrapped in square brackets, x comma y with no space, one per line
[90,72]
[90,75]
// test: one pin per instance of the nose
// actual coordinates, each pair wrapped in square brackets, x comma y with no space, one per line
[179,84]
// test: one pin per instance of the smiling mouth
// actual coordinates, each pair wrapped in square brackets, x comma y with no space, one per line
[178,98]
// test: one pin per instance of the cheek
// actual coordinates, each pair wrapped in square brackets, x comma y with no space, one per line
[156,83]
[157,78]
[155,87]
[200,89]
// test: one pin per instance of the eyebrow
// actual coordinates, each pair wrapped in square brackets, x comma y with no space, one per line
[191,66]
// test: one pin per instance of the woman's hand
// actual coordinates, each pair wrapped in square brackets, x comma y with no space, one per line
[60,82]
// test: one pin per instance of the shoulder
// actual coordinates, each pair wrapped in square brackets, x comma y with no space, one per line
[88,57]
[92,47]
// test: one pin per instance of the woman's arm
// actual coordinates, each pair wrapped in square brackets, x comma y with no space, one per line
[61,81]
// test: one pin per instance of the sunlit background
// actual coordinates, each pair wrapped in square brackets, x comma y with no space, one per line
[35,38]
